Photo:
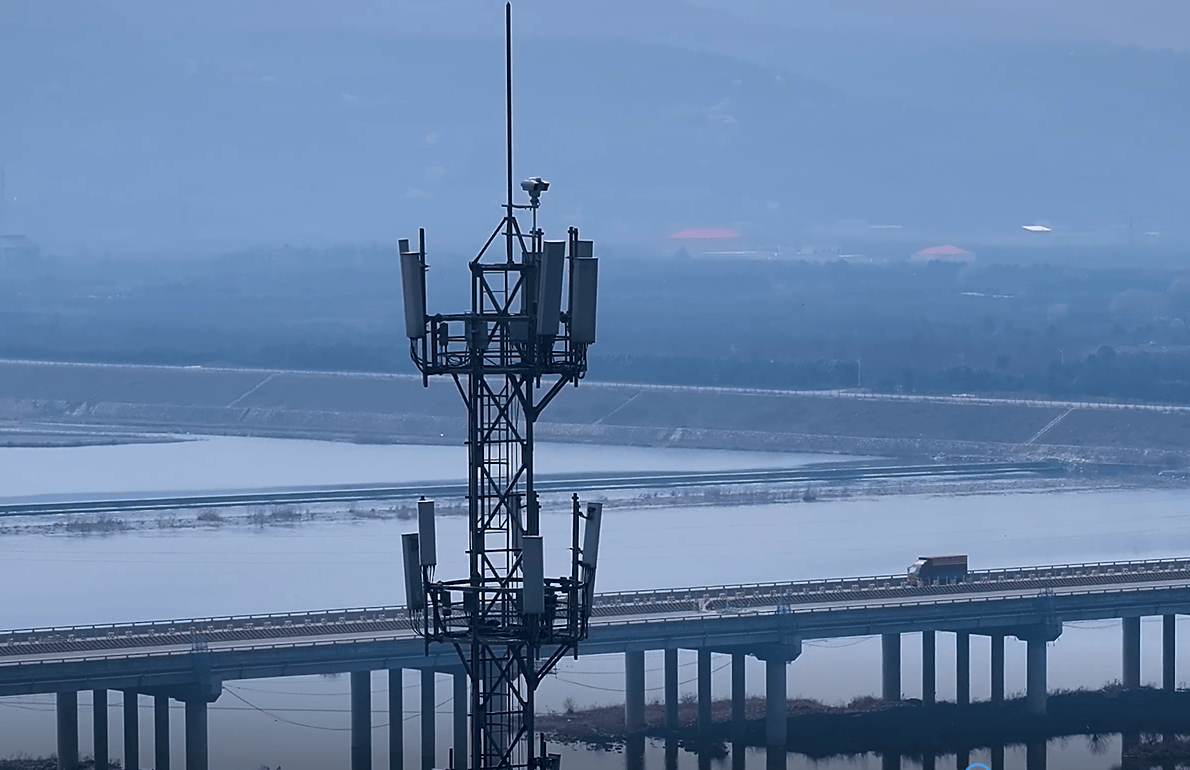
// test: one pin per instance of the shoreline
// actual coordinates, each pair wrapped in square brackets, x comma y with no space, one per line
[817,493]
[906,727]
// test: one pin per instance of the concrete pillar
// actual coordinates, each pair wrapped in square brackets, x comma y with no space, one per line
[1131,650]
[461,694]
[1035,676]
[99,721]
[634,690]
[997,668]
[929,761]
[962,668]
[428,715]
[929,660]
[1169,638]
[671,689]
[161,732]
[396,719]
[131,731]
[962,760]
[361,720]
[68,730]
[890,760]
[739,695]
[704,690]
[196,735]
[890,646]
[776,705]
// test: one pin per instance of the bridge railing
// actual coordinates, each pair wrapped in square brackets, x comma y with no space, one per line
[884,581]
[181,625]
[925,601]
[603,603]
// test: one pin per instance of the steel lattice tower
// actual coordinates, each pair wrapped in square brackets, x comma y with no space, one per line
[509,357]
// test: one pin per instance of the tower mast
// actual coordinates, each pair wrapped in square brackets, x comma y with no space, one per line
[509,357]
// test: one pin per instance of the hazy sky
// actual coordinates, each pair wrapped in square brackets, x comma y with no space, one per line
[163,124]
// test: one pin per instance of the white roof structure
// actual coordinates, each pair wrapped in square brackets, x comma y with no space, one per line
[1037,228]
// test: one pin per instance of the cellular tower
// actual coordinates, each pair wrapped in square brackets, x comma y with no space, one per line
[509,356]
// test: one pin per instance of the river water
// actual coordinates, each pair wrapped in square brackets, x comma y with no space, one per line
[302,723]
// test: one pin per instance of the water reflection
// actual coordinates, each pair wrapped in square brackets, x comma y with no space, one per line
[738,756]
[634,753]
[997,762]
[1035,755]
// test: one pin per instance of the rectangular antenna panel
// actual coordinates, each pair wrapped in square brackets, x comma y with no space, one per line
[533,570]
[518,526]
[413,290]
[415,594]
[425,531]
[591,534]
[549,288]
[582,312]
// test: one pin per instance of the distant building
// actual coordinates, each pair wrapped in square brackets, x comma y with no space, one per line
[717,243]
[17,248]
[946,253]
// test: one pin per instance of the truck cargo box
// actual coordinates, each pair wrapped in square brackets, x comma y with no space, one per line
[938,570]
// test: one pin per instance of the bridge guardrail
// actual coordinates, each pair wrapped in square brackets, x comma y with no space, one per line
[186,650]
[608,600]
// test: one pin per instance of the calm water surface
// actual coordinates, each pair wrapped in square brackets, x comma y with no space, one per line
[302,723]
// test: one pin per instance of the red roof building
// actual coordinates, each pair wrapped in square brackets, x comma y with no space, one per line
[946,253]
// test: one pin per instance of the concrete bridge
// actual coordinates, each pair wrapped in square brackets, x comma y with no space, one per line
[188,660]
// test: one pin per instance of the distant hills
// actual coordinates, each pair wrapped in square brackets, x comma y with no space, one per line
[125,129]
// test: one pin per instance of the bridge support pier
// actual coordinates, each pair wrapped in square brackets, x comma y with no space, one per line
[704,690]
[361,720]
[68,730]
[962,668]
[1169,638]
[161,732]
[634,690]
[99,723]
[890,680]
[396,719]
[776,704]
[1131,653]
[1035,676]
[460,719]
[428,715]
[131,730]
[196,734]
[671,689]
[739,695]
[929,663]
[997,668]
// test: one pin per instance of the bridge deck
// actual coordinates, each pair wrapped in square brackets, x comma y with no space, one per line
[165,653]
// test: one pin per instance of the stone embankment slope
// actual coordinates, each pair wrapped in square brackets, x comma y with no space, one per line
[364,407]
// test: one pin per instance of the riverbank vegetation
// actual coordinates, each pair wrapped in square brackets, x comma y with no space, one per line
[1060,330]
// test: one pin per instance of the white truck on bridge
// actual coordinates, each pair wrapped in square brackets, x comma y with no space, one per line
[937,570]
